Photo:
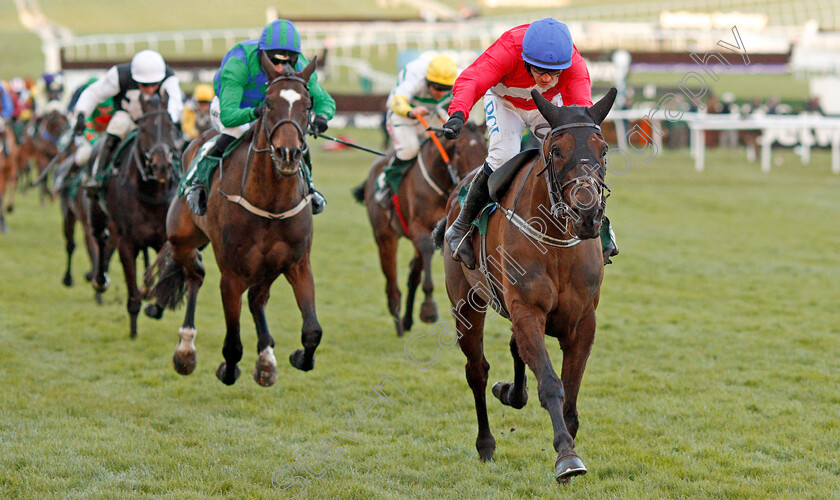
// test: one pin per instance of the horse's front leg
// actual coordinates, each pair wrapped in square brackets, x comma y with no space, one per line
[128,257]
[576,351]
[529,334]
[69,239]
[99,228]
[232,289]
[514,394]
[299,276]
[426,246]
[415,270]
[265,371]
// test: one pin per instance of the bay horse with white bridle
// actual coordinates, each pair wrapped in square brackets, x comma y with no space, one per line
[135,200]
[541,265]
[422,202]
[259,222]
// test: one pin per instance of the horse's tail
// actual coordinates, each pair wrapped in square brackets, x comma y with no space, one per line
[359,192]
[168,279]
[437,233]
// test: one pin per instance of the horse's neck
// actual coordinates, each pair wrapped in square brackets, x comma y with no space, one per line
[535,202]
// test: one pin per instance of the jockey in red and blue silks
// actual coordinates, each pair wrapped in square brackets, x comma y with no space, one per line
[540,56]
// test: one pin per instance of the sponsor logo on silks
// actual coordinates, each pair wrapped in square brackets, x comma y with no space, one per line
[492,121]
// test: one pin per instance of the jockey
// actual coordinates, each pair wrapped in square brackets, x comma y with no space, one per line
[540,55]
[197,111]
[240,86]
[95,126]
[50,87]
[424,88]
[146,74]
[7,106]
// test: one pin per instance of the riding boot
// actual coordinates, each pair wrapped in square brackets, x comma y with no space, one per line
[109,144]
[196,192]
[456,235]
[608,243]
[318,200]
[391,177]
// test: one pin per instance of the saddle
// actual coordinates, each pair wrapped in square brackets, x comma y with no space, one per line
[501,179]
[202,166]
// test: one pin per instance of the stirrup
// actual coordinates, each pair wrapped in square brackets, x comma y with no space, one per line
[318,202]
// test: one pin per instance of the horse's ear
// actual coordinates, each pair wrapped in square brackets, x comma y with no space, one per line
[599,110]
[266,65]
[548,110]
[309,69]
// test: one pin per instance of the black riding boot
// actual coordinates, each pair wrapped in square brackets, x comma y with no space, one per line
[196,193]
[106,152]
[455,236]
[608,244]
[318,200]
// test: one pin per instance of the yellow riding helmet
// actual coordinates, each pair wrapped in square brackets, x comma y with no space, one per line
[204,93]
[442,70]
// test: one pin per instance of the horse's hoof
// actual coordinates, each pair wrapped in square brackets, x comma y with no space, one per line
[429,312]
[153,311]
[89,276]
[98,298]
[297,359]
[406,323]
[102,287]
[221,374]
[184,362]
[503,390]
[400,326]
[10,209]
[486,448]
[68,280]
[568,467]
[265,369]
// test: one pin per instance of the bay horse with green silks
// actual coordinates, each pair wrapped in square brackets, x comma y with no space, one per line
[421,203]
[259,222]
[540,265]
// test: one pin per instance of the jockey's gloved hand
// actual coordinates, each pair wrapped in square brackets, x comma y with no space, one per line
[79,127]
[319,124]
[452,128]
[259,110]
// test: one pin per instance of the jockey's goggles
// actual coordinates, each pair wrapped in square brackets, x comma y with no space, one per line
[282,57]
[544,71]
[439,88]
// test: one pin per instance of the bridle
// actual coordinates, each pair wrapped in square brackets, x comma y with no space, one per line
[160,144]
[593,184]
[269,132]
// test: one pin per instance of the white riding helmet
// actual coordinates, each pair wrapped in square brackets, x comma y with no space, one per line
[148,66]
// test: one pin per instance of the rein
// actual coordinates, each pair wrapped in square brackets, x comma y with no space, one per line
[272,153]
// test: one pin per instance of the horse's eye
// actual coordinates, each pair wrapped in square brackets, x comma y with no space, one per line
[555,151]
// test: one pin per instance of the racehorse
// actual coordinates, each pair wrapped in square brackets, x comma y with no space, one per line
[41,146]
[540,265]
[8,173]
[421,203]
[136,198]
[74,207]
[260,225]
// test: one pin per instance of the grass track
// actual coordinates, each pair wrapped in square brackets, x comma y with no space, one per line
[714,373]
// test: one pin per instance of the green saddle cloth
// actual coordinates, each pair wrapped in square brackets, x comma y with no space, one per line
[202,166]
[123,149]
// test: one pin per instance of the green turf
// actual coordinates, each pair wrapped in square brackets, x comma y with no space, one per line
[714,373]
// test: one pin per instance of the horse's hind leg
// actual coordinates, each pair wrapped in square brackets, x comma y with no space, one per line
[232,289]
[299,276]
[184,359]
[529,333]
[575,354]
[70,243]
[388,260]
[514,394]
[265,371]
[415,271]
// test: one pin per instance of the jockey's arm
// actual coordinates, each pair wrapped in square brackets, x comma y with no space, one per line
[176,98]
[400,105]
[233,75]
[486,71]
[323,103]
[7,104]
[98,91]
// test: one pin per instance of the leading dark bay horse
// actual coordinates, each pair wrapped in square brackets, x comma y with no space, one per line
[259,222]
[422,202]
[136,198]
[541,265]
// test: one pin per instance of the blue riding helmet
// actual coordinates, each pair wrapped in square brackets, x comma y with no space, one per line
[280,35]
[548,44]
